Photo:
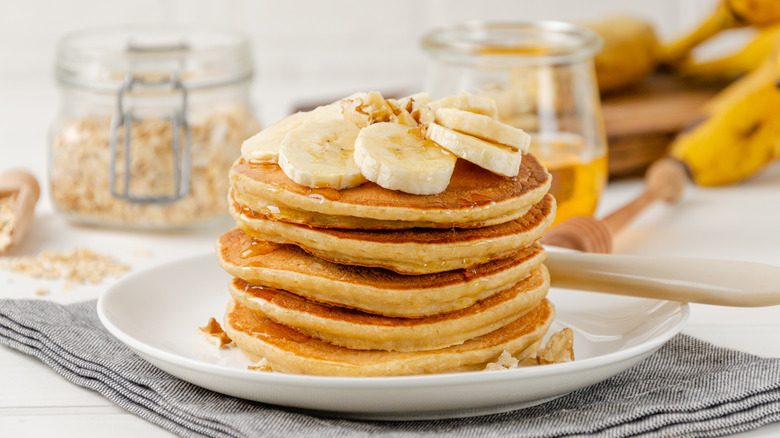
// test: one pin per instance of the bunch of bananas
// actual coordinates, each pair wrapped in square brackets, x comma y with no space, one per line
[624,34]
[728,14]
[738,132]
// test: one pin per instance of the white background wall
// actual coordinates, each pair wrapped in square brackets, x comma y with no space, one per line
[304,49]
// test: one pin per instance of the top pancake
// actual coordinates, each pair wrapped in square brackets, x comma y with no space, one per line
[475,197]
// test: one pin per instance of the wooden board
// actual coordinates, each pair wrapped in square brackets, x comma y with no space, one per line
[641,122]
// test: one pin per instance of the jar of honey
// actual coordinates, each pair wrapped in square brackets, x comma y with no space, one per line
[542,76]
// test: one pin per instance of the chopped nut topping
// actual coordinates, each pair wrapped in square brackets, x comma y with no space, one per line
[558,349]
[373,108]
[262,365]
[213,333]
[420,112]
[504,362]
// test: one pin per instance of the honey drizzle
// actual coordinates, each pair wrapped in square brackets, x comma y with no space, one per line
[258,247]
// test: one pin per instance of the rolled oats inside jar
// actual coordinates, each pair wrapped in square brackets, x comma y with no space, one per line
[150,121]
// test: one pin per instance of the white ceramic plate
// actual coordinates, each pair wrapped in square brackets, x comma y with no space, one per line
[157,312]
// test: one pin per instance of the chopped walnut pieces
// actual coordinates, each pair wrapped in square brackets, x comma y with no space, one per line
[262,365]
[558,349]
[213,333]
[364,110]
[504,362]
[420,112]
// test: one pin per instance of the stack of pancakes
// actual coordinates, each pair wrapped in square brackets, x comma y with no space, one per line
[368,281]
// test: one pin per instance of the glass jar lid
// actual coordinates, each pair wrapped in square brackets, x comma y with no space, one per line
[513,42]
[103,58]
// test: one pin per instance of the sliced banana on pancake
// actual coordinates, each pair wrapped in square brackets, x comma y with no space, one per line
[397,157]
[264,146]
[469,102]
[494,157]
[484,127]
[421,97]
[319,153]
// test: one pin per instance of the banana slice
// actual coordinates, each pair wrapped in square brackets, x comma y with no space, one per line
[264,146]
[484,127]
[319,153]
[468,102]
[494,157]
[422,97]
[397,158]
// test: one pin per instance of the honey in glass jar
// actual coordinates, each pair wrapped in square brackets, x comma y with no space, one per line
[542,76]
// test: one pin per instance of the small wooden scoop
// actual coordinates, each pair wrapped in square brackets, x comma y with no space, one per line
[22,184]
[664,180]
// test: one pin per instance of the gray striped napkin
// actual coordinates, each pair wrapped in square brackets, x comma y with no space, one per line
[687,388]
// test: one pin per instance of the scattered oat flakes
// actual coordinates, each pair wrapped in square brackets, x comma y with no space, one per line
[7,220]
[78,266]
[81,160]
[262,365]
[213,333]
[41,291]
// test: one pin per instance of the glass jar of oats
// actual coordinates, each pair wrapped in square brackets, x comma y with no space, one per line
[542,77]
[150,121]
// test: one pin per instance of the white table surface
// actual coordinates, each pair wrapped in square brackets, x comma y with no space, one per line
[740,222]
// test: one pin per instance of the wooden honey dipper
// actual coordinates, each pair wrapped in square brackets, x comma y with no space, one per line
[22,184]
[665,180]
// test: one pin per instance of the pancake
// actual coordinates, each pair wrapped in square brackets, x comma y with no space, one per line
[475,197]
[372,290]
[413,251]
[363,331]
[277,212]
[291,351]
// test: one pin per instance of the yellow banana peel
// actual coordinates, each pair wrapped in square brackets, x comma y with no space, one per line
[755,12]
[630,51]
[734,65]
[739,133]
[728,14]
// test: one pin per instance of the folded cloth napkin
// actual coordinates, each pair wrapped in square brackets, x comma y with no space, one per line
[687,388]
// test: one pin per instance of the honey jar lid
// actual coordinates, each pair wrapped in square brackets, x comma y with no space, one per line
[513,42]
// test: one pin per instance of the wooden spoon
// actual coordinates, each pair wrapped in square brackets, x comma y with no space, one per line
[690,280]
[664,180]
[24,185]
